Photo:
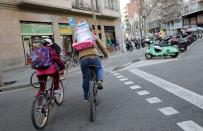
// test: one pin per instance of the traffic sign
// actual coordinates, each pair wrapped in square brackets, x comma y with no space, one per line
[122,26]
[71,21]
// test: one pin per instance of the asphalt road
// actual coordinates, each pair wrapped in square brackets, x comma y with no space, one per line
[154,97]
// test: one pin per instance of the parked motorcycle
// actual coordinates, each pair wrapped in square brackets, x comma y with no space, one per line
[158,50]
[129,45]
[181,43]
[136,43]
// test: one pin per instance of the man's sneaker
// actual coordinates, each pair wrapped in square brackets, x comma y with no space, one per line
[57,92]
[99,85]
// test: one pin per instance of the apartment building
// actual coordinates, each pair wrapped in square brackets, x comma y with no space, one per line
[192,13]
[171,16]
[24,23]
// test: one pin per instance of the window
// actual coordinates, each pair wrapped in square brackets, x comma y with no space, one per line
[93,27]
[99,27]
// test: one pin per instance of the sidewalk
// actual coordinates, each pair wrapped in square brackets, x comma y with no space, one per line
[20,77]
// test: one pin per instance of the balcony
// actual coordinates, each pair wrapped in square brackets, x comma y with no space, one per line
[85,5]
[110,9]
[45,4]
[192,8]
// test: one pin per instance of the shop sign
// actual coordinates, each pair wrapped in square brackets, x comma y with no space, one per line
[65,29]
[36,29]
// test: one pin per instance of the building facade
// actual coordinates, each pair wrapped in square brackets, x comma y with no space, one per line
[26,22]
[192,13]
[171,20]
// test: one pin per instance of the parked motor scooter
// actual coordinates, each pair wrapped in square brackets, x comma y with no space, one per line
[158,50]
[129,45]
[136,43]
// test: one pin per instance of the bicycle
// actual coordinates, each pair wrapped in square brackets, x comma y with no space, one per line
[35,83]
[92,93]
[43,103]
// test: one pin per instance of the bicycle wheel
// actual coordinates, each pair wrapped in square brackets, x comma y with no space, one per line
[40,111]
[59,99]
[34,81]
[92,102]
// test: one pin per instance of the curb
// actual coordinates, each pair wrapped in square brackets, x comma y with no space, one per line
[3,89]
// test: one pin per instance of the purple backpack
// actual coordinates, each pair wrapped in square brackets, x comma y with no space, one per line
[41,58]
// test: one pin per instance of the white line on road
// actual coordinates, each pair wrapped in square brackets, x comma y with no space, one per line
[135,87]
[190,126]
[141,93]
[124,79]
[168,111]
[181,92]
[128,83]
[116,74]
[127,64]
[153,100]
[119,76]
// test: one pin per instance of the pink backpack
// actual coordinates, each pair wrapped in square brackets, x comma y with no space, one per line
[84,37]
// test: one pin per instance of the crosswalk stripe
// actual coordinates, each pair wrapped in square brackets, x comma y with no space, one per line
[190,126]
[116,74]
[128,83]
[135,87]
[119,76]
[168,111]
[141,93]
[124,79]
[181,92]
[153,100]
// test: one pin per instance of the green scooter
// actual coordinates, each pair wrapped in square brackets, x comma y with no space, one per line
[158,50]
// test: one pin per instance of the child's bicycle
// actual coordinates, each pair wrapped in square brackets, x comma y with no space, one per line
[43,103]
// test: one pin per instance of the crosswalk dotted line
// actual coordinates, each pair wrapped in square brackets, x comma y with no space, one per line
[153,100]
[116,74]
[124,79]
[142,93]
[128,82]
[168,111]
[119,76]
[135,87]
[190,126]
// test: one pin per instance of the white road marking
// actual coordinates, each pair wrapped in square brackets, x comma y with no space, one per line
[168,111]
[153,100]
[119,76]
[135,87]
[124,79]
[116,74]
[181,92]
[141,93]
[147,63]
[190,126]
[128,83]
[127,64]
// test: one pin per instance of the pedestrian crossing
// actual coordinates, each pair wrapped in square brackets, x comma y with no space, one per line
[181,92]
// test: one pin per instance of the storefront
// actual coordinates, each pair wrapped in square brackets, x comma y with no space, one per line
[66,38]
[32,34]
[110,35]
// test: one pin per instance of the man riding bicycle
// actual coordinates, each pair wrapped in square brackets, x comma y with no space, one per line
[89,56]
